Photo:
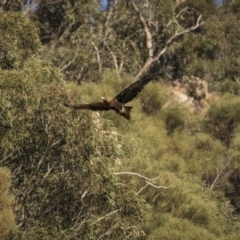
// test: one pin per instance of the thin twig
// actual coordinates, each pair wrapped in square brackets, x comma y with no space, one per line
[98,57]
[219,174]
[107,215]
[67,65]
[147,180]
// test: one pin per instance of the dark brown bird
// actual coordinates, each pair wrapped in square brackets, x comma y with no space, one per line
[125,96]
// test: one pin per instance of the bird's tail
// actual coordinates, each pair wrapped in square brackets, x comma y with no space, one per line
[127,111]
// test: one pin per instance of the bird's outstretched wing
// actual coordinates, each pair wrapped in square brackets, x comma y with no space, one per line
[97,106]
[132,90]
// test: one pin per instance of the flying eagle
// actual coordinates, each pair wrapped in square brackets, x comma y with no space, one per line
[125,96]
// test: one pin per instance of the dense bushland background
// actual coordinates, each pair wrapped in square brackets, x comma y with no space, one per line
[171,172]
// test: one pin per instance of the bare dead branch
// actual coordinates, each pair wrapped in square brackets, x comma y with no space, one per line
[98,57]
[148,35]
[107,232]
[82,222]
[48,172]
[121,63]
[198,23]
[69,63]
[9,155]
[149,181]
[107,215]
[173,21]
[178,34]
[106,28]
[78,216]
[182,12]
[155,198]
[155,186]
[18,169]
[83,195]
[220,174]
[150,45]
[141,189]
[136,174]
[115,61]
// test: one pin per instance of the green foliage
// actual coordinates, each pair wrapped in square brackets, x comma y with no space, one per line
[18,40]
[63,162]
[7,223]
[175,118]
[177,157]
[153,98]
[90,41]
[223,117]
[228,86]
[147,148]
[174,228]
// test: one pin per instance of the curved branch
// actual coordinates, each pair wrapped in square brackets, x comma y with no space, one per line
[149,181]
[178,34]
[107,215]
[136,174]
[153,57]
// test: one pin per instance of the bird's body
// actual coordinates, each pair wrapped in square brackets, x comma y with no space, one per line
[118,107]
[125,96]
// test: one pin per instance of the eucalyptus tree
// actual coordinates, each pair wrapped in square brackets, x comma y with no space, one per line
[128,37]
[63,164]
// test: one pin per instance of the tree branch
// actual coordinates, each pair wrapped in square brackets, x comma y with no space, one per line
[135,174]
[98,57]
[220,174]
[108,232]
[69,63]
[178,34]
[107,215]
[148,35]
[151,45]
[9,155]
[149,181]
[115,61]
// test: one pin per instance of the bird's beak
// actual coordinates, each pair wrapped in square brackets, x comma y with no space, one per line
[103,98]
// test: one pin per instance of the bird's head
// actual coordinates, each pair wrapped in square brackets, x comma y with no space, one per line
[106,100]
